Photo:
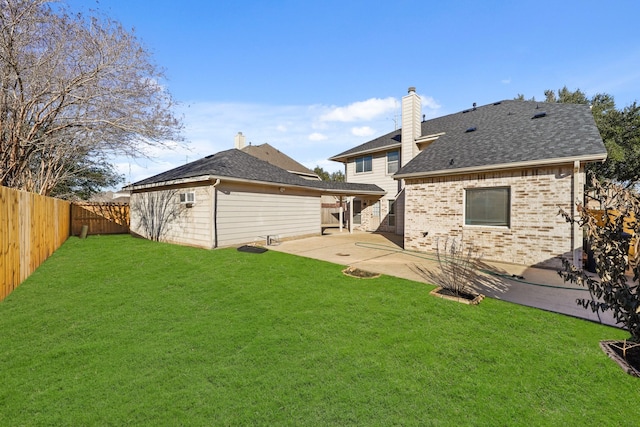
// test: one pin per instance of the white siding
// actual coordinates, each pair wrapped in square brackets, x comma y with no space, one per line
[247,215]
[193,225]
[379,177]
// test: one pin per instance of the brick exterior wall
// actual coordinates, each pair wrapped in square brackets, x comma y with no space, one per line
[370,223]
[537,235]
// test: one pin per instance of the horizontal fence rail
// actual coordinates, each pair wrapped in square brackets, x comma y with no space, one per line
[32,227]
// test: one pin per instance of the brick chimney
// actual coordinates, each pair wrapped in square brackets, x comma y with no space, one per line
[239,141]
[411,127]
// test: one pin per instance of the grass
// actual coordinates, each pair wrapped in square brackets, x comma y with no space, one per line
[120,331]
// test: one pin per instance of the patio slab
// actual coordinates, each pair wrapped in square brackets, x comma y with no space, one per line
[383,253]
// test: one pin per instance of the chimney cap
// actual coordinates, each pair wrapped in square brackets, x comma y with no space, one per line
[412,89]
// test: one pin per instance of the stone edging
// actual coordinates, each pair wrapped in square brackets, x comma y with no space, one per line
[461,300]
[605,346]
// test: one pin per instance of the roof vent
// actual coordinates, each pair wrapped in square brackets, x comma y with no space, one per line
[539,115]
[450,162]
[497,103]
[471,129]
[466,111]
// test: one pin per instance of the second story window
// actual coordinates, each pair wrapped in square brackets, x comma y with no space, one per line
[393,158]
[364,164]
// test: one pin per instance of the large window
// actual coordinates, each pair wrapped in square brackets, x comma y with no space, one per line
[392,162]
[364,164]
[488,206]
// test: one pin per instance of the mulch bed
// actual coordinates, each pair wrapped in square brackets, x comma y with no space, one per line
[252,249]
[361,274]
[629,361]
[463,297]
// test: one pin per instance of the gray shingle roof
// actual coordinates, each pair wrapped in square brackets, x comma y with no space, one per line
[236,164]
[505,133]
[277,158]
[380,143]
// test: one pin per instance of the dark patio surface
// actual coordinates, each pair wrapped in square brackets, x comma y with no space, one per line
[382,253]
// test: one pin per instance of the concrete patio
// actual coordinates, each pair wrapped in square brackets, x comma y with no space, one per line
[383,253]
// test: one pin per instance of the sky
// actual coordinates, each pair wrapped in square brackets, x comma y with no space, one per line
[315,78]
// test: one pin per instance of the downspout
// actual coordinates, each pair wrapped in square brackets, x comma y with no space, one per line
[576,234]
[215,213]
[341,214]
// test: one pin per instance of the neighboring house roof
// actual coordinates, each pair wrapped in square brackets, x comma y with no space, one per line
[277,158]
[238,166]
[505,134]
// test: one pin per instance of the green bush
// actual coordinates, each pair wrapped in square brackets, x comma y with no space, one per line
[605,234]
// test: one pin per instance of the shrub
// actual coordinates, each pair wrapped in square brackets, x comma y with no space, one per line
[457,267]
[605,234]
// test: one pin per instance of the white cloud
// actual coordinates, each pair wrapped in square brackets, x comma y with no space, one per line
[361,110]
[316,136]
[506,81]
[362,131]
[429,103]
[309,134]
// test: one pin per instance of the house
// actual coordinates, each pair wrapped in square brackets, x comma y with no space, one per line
[494,175]
[231,198]
[332,206]
[274,156]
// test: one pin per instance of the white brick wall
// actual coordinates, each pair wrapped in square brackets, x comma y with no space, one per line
[537,235]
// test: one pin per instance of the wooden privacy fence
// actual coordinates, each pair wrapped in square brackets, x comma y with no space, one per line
[331,216]
[629,221]
[100,218]
[32,227]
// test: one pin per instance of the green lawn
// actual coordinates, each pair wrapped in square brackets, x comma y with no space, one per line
[121,331]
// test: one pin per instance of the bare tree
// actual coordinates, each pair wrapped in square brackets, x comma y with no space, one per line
[155,210]
[457,267]
[71,88]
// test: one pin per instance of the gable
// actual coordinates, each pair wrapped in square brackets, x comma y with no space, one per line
[277,158]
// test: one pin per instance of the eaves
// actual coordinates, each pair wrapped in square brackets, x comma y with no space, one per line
[504,166]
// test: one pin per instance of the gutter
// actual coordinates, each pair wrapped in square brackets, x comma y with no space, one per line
[358,153]
[208,178]
[505,166]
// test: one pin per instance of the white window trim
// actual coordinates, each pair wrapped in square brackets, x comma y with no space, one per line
[355,164]
[187,198]
[390,215]
[387,162]
[495,227]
